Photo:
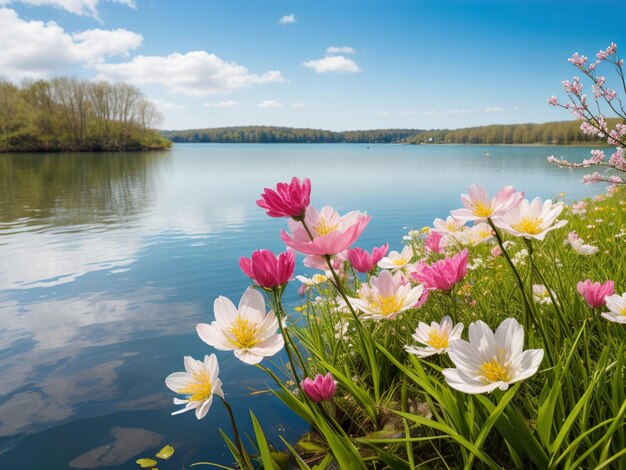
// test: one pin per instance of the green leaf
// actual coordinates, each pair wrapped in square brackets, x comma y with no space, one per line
[146,463]
[166,452]
[264,448]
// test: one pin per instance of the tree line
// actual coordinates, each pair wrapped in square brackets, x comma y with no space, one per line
[66,113]
[271,134]
[550,133]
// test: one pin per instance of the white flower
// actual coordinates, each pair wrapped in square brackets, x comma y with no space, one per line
[541,294]
[315,280]
[395,260]
[532,219]
[386,295]
[489,361]
[436,337]
[247,330]
[520,257]
[578,245]
[450,225]
[617,308]
[199,383]
[477,263]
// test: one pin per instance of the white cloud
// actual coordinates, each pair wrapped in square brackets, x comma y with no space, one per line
[407,113]
[459,111]
[222,104]
[165,105]
[337,63]
[36,49]
[287,19]
[77,7]
[298,105]
[493,109]
[383,113]
[270,104]
[333,50]
[432,112]
[195,73]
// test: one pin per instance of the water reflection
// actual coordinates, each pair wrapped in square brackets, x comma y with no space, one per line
[73,189]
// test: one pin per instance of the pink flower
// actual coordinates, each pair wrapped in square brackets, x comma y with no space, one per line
[433,242]
[594,293]
[364,262]
[478,205]
[553,101]
[289,199]
[319,262]
[322,388]
[331,232]
[386,295]
[444,274]
[268,270]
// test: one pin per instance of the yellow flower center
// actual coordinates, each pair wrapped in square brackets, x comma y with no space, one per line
[528,225]
[386,305]
[623,311]
[481,210]
[484,234]
[244,333]
[399,261]
[199,390]
[452,227]
[493,371]
[323,227]
[437,339]
[319,278]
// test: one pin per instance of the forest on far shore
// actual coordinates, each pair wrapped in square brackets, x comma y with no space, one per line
[550,133]
[76,115]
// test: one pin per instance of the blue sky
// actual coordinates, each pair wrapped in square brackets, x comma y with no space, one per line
[331,64]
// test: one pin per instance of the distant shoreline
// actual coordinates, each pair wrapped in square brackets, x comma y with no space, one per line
[550,133]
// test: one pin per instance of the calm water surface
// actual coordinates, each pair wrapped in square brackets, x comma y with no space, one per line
[108,261]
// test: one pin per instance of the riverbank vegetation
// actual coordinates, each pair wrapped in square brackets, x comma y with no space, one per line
[68,114]
[494,339]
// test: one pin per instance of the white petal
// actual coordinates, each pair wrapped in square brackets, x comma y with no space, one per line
[481,338]
[252,306]
[421,352]
[529,362]
[465,356]
[217,388]
[203,409]
[247,356]
[178,380]
[224,310]
[456,332]
[270,346]
[192,365]
[459,381]
[213,336]
[614,317]
[510,338]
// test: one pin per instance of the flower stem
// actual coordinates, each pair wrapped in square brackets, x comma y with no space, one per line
[367,345]
[242,452]
[287,337]
[527,307]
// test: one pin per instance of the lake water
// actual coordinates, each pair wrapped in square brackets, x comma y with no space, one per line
[108,261]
